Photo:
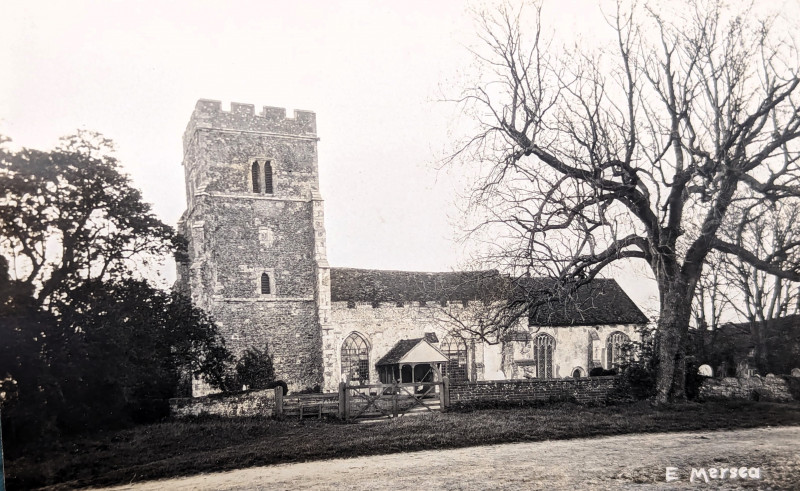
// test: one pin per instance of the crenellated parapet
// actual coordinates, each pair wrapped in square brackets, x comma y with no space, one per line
[242,117]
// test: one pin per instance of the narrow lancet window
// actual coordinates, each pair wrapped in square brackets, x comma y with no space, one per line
[265,284]
[256,171]
[267,178]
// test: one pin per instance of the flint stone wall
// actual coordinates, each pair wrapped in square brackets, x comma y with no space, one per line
[582,390]
[236,233]
[769,388]
[245,404]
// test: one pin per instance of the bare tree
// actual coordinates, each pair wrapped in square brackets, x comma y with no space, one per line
[712,297]
[636,152]
[762,298]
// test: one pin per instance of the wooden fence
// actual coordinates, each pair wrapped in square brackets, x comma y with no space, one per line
[391,400]
[365,401]
[397,399]
[306,405]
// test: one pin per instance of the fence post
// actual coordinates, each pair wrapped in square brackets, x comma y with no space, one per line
[342,400]
[2,467]
[444,395]
[395,395]
[347,398]
[279,402]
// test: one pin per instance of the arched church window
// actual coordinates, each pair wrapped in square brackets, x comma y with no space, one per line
[615,349]
[456,351]
[255,170]
[355,359]
[265,288]
[543,347]
[267,177]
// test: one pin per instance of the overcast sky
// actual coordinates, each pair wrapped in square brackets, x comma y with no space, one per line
[373,72]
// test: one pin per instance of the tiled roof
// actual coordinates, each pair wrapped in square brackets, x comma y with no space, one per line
[372,285]
[600,302]
[431,337]
[398,351]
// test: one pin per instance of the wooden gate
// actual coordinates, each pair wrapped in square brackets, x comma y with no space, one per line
[308,405]
[391,400]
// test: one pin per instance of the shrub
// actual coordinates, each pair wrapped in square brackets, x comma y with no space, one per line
[638,375]
[255,370]
[311,390]
[793,383]
[279,383]
[637,382]
[693,379]
[601,372]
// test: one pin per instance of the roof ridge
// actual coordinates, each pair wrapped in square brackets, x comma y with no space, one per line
[420,272]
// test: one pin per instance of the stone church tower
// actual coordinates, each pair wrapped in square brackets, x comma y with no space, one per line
[254,223]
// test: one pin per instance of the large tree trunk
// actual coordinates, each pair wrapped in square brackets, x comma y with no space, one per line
[677,392]
[673,326]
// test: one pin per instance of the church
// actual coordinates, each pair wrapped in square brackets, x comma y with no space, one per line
[257,263]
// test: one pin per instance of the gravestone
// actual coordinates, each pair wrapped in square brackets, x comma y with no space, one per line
[705,371]
[795,372]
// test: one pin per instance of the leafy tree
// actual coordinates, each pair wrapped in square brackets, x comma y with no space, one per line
[634,152]
[71,215]
[135,343]
[23,369]
[84,341]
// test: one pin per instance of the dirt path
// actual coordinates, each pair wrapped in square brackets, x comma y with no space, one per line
[618,462]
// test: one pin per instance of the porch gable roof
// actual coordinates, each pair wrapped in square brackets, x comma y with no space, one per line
[412,351]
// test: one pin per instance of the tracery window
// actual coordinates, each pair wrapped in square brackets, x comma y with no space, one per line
[456,351]
[543,347]
[355,359]
[615,352]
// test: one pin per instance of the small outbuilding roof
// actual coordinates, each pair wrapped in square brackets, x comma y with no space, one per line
[417,350]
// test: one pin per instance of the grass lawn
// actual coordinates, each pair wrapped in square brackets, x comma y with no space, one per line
[176,448]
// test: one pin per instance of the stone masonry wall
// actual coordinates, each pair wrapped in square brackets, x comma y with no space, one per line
[236,233]
[582,390]
[769,388]
[246,404]
[381,327]
[576,348]
[384,325]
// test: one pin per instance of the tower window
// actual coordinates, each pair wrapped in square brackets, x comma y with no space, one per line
[265,290]
[256,171]
[267,177]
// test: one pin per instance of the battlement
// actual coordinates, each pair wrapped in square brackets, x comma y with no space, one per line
[242,117]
